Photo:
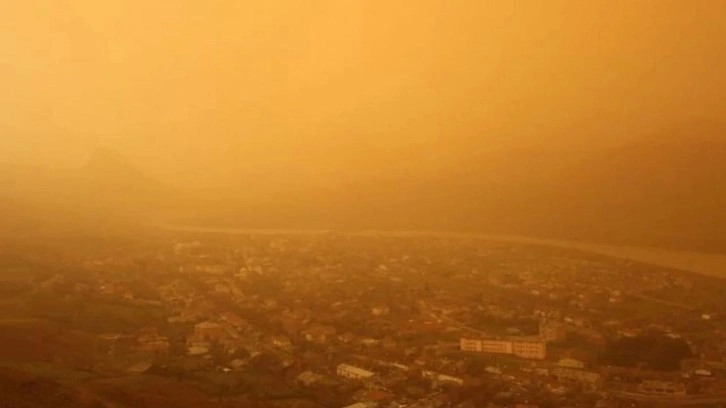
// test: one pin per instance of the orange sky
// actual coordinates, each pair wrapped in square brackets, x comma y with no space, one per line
[204,93]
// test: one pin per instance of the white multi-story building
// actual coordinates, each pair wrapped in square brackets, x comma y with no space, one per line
[530,349]
[535,349]
[470,345]
[496,346]
[353,372]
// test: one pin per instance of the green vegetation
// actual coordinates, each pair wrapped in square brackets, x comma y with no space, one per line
[655,349]
[95,316]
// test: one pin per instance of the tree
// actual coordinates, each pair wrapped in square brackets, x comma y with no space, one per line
[653,348]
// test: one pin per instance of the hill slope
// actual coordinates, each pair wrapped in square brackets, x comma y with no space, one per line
[104,194]
[20,389]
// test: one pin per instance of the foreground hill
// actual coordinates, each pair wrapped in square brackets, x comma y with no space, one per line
[20,389]
[40,341]
[105,194]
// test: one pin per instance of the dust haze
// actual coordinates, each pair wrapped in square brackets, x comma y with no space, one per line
[591,120]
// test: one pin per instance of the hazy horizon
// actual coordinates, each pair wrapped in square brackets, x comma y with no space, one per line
[600,121]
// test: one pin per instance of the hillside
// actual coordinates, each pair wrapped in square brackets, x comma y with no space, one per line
[33,340]
[105,194]
[20,389]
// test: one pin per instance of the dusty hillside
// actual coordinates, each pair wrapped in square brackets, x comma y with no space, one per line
[23,390]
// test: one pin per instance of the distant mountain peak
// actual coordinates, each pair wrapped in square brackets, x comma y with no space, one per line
[110,168]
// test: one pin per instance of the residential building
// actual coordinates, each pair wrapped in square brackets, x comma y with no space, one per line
[209,331]
[442,378]
[470,345]
[234,320]
[662,388]
[353,372]
[496,346]
[551,329]
[319,333]
[571,363]
[281,342]
[380,311]
[362,405]
[530,349]
[572,374]
[309,378]
[533,348]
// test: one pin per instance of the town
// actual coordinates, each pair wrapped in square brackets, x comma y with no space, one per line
[370,320]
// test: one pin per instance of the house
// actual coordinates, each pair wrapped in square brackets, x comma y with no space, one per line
[529,348]
[702,372]
[222,288]
[550,329]
[139,368]
[353,372]
[319,333]
[197,350]
[347,337]
[157,345]
[470,345]
[280,342]
[210,331]
[582,376]
[662,388]
[309,378]
[238,363]
[442,378]
[369,342]
[193,312]
[362,405]
[496,346]
[380,311]
[570,363]
[374,397]
[493,370]
[389,343]
[212,269]
[234,320]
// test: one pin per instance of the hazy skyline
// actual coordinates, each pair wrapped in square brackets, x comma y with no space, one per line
[209,93]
